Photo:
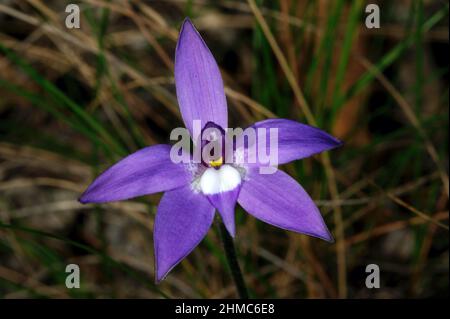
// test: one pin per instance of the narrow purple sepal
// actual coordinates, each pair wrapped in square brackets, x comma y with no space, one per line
[149,170]
[279,200]
[225,203]
[295,140]
[199,85]
[182,220]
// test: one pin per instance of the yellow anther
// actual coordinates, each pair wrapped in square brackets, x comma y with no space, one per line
[216,163]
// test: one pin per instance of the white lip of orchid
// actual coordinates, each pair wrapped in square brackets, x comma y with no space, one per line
[223,179]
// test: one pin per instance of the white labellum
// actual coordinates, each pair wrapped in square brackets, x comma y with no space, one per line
[214,181]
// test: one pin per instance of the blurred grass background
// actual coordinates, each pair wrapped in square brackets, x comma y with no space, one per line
[72,102]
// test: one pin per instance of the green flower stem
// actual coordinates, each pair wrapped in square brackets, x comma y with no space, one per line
[230,252]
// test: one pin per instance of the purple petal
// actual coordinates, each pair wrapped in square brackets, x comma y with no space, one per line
[225,203]
[199,85]
[149,170]
[182,221]
[295,140]
[279,200]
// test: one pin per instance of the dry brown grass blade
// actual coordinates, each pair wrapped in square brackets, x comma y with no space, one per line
[23,280]
[411,116]
[416,211]
[249,102]
[150,38]
[89,45]
[283,63]
[391,227]
[340,238]
[409,207]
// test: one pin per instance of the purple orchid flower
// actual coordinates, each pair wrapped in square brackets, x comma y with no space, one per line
[194,192]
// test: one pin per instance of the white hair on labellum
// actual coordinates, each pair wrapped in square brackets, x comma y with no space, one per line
[214,181]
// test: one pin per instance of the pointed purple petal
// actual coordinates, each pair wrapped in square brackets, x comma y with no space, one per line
[279,200]
[225,203]
[295,140]
[199,85]
[149,170]
[182,221]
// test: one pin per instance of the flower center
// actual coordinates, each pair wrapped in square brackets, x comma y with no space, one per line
[223,179]
[216,163]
